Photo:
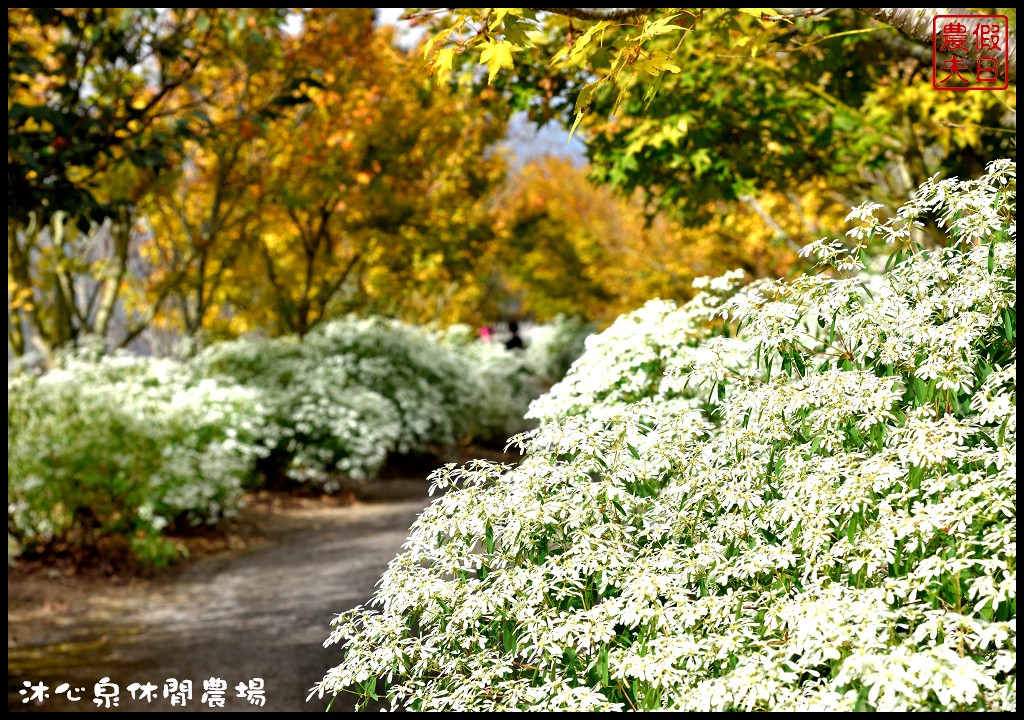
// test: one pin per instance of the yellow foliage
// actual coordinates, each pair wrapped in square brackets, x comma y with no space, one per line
[372,196]
[571,247]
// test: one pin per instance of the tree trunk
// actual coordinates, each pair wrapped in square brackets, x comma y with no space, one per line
[114,272]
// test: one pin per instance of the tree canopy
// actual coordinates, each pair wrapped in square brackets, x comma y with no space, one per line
[697,104]
[216,172]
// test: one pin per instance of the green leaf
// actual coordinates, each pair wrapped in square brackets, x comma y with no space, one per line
[798,359]
[582,103]
[1002,429]
[507,638]
[516,31]
[701,161]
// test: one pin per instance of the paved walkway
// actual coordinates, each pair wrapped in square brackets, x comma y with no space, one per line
[262,615]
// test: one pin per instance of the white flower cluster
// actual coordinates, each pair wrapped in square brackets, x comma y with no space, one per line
[832,527]
[318,422]
[553,347]
[506,383]
[359,389]
[512,380]
[116,445]
[434,390]
[649,354]
[122,445]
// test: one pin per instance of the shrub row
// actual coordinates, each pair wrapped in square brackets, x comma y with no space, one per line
[125,446]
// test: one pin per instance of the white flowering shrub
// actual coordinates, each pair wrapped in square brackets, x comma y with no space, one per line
[648,355]
[124,446]
[116,445]
[319,424]
[825,523]
[554,346]
[435,391]
[353,392]
[506,384]
[511,380]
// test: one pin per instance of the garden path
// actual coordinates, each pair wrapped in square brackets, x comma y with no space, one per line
[259,612]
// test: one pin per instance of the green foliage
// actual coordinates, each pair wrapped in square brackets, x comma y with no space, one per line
[79,100]
[710,104]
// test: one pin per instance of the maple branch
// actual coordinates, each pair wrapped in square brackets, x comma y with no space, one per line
[597,13]
[915,23]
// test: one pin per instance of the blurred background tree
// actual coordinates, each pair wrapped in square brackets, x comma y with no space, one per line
[208,173]
[89,128]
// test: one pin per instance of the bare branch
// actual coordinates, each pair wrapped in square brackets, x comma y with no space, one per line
[794,13]
[899,43]
[598,13]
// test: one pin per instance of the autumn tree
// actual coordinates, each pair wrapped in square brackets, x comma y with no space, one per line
[373,194]
[89,130]
[697,105]
[572,247]
[208,212]
[228,176]
[286,177]
[87,91]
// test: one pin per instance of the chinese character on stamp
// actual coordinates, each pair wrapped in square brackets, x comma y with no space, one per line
[970,52]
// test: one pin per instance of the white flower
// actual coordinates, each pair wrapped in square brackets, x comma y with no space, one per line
[815,512]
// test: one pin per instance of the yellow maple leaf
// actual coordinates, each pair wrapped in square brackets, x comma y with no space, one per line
[496,55]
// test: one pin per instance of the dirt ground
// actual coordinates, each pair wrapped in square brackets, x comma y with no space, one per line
[251,605]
